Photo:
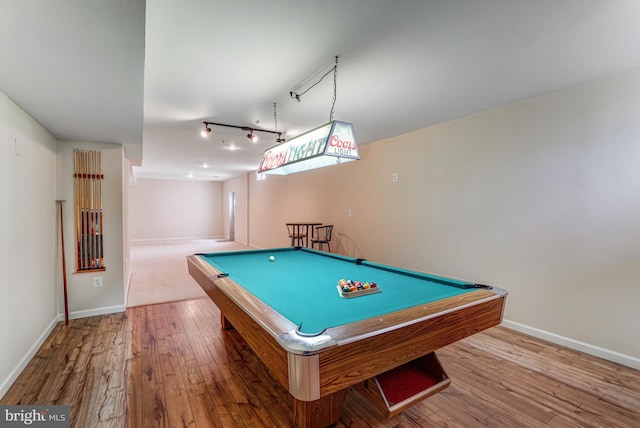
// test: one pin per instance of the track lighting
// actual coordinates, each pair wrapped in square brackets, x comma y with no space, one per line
[254,138]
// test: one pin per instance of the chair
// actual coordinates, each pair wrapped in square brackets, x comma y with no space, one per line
[296,235]
[322,236]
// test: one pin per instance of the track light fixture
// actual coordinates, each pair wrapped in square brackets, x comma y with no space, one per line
[205,132]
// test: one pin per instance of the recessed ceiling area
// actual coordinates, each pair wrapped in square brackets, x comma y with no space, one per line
[146,75]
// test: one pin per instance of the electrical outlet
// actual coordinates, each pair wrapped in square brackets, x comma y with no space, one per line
[348,213]
[17,147]
[97,281]
[394,177]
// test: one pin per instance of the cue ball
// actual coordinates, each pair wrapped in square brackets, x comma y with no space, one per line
[271,258]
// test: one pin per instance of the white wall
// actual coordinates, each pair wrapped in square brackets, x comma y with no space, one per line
[28,238]
[175,209]
[541,197]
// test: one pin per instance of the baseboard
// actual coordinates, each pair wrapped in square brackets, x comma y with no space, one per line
[13,375]
[151,241]
[606,354]
[94,312]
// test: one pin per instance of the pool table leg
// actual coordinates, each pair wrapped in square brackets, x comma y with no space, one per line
[319,413]
[224,323]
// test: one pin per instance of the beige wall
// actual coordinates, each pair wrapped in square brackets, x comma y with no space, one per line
[174,209]
[540,197]
[28,298]
[276,200]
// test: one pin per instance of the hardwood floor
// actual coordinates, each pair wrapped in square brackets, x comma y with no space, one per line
[170,365]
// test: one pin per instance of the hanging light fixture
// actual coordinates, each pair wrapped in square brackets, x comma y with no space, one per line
[330,144]
[275,121]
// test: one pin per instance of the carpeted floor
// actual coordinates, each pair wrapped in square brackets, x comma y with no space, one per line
[159,270]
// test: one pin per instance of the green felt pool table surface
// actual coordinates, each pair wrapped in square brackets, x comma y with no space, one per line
[301,285]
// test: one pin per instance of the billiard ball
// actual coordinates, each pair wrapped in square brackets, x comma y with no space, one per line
[271,258]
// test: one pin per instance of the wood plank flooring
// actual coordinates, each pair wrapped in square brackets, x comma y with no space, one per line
[170,365]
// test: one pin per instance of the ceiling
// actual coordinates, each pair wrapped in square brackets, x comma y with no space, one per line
[147,75]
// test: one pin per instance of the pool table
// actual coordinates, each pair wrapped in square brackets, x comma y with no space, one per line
[318,341]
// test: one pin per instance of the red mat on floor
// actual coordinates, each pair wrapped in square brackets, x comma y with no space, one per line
[405,381]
